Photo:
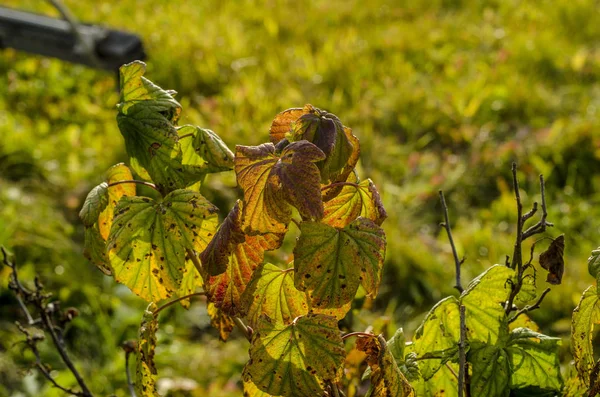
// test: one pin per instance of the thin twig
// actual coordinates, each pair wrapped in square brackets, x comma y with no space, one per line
[37,298]
[539,227]
[185,136]
[359,334]
[247,331]
[528,308]
[58,343]
[446,225]
[177,300]
[531,212]
[336,184]
[517,259]
[462,355]
[152,185]
[129,348]
[31,343]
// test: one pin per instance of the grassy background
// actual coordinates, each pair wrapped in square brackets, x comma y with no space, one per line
[442,94]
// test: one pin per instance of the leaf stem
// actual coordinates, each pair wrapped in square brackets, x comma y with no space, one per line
[336,184]
[446,225]
[186,135]
[172,302]
[194,259]
[528,308]
[359,334]
[247,331]
[152,185]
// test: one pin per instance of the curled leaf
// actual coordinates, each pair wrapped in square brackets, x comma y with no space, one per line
[94,204]
[145,374]
[553,261]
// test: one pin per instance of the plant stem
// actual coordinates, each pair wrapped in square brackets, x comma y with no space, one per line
[128,373]
[247,331]
[360,334]
[194,259]
[517,260]
[446,225]
[186,135]
[527,309]
[336,184]
[462,356]
[177,300]
[58,343]
[152,185]
[539,227]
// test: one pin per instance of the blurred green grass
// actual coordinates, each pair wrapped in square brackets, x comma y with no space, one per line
[443,94]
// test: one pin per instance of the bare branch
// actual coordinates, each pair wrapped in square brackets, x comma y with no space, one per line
[527,309]
[446,225]
[129,347]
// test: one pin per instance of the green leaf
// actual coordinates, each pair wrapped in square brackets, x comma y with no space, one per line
[213,150]
[439,331]
[528,290]
[237,255]
[331,263]
[271,292]
[483,300]
[585,318]
[272,183]
[145,374]
[94,204]
[594,263]
[491,370]
[298,359]
[442,383]
[94,249]
[354,201]
[533,360]
[386,378]
[148,239]
[250,390]
[146,118]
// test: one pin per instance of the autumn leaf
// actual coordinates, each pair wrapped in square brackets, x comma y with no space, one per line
[586,318]
[148,239]
[352,201]
[331,263]
[145,374]
[220,321]
[117,173]
[386,378]
[94,204]
[298,359]
[272,292]
[272,183]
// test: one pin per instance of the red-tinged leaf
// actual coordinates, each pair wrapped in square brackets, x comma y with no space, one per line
[342,161]
[352,201]
[272,183]
[226,289]
[265,211]
[298,359]
[386,378]
[298,177]
[271,292]
[282,124]
[148,240]
[215,257]
[220,321]
[331,263]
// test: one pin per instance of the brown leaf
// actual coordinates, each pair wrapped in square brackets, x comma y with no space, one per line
[282,124]
[552,260]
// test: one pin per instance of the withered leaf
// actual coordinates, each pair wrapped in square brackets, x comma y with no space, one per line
[553,261]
